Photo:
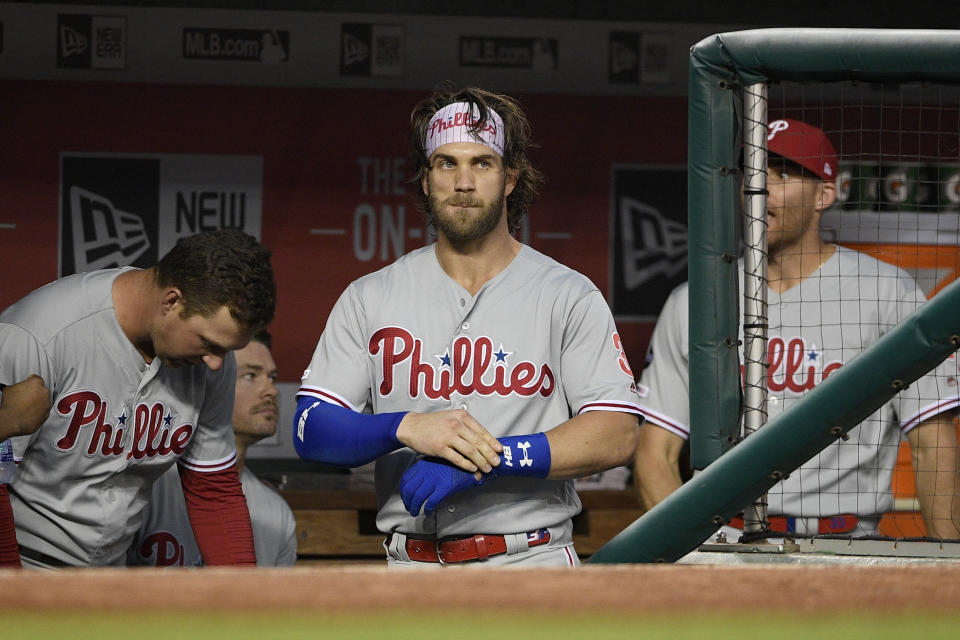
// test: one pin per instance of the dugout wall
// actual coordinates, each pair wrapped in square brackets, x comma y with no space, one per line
[720,67]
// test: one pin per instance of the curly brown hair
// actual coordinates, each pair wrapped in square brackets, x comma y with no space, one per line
[226,267]
[516,130]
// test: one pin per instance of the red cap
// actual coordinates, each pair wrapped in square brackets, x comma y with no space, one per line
[804,144]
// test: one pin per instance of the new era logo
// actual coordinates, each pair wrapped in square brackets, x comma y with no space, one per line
[120,210]
[91,42]
[72,42]
[648,238]
[103,235]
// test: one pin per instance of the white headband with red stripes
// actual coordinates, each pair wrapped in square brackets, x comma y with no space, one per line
[454,123]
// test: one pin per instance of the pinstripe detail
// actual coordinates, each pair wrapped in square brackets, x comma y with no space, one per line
[929,412]
[663,421]
[327,396]
[611,405]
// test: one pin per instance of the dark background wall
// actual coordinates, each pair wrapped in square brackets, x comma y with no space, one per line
[301,139]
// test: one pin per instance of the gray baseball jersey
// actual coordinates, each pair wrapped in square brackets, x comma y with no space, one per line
[116,423]
[815,327]
[166,537]
[535,346]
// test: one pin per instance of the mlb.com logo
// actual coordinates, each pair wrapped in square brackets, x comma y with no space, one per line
[91,42]
[121,210]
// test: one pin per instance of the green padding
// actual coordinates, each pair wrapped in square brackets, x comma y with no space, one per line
[825,55]
[712,193]
[689,516]
[717,64]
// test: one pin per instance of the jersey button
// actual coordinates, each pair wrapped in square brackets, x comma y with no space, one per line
[463,406]
[462,302]
[452,508]
[465,326]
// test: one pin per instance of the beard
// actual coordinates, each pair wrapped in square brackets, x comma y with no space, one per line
[463,226]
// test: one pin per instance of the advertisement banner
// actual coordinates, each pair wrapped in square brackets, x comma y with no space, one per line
[648,238]
[118,210]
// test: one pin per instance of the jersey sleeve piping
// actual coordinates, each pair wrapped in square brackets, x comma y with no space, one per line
[327,396]
[611,405]
[930,411]
[209,466]
[664,422]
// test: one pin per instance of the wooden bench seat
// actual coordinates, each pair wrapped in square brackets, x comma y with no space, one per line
[342,522]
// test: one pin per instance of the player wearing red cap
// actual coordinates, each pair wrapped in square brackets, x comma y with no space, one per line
[826,304]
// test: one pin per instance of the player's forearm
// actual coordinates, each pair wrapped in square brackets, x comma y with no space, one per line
[939,504]
[656,466]
[592,442]
[655,479]
[937,471]
[8,428]
[23,407]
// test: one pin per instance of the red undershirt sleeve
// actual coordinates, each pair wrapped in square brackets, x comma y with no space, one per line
[9,553]
[219,517]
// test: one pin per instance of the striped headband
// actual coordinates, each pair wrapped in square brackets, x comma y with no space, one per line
[454,123]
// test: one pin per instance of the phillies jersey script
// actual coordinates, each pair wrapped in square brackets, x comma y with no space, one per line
[166,537]
[536,345]
[814,328]
[115,425]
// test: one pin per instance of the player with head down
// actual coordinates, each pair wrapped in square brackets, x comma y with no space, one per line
[480,374]
[827,303]
[166,538]
[139,375]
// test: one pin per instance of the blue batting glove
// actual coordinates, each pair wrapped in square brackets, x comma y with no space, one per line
[429,481]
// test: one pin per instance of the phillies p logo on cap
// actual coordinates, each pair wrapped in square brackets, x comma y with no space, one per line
[804,144]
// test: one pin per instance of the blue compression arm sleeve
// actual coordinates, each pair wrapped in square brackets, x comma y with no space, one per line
[327,433]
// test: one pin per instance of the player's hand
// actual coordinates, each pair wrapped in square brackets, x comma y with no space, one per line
[429,481]
[24,407]
[454,436]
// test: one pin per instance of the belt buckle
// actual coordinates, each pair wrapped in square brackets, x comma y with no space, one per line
[438,541]
[473,538]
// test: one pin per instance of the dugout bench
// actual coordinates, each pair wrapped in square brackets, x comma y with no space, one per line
[338,522]
[336,513]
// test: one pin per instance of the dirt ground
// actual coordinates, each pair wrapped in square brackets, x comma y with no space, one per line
[614,588]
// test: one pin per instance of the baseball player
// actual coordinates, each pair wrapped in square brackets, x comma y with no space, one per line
[826,304]
[493,375]
[140,376]
[166,538]
[23,408]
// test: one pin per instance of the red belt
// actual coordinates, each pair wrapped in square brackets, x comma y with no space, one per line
[782,524]
[479,547]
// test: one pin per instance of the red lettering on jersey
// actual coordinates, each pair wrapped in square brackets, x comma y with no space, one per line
[165,547]
[153,436]
[785,365]
[85,407]
[102,433]
[463,372]
[395,354]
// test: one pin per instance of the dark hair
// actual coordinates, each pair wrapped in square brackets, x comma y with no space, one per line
[516,132]
[263,337]
[220,268]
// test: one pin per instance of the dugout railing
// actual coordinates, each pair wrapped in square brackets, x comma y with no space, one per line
[720,68]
